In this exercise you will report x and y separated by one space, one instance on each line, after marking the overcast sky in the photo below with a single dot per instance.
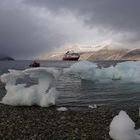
29 28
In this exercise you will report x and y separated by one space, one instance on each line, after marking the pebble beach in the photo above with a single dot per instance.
36 123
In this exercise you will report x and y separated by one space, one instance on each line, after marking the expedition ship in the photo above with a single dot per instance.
71 56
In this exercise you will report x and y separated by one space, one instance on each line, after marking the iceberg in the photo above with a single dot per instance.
42 94
125 71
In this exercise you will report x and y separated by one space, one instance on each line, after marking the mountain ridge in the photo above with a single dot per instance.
106 51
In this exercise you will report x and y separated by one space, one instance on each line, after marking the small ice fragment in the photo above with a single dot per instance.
92 106
123 128
62 109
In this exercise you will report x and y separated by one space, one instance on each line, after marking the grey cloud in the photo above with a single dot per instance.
23 34
116 15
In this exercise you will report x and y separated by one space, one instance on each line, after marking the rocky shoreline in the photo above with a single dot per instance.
36 123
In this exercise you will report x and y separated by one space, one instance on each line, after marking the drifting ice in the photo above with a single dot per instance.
43 94
124 72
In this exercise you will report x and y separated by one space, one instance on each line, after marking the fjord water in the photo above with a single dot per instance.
74 92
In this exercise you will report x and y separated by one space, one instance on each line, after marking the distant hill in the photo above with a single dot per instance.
113 54
132 55
2 58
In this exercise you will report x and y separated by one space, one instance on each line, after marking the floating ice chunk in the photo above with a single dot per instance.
62 109
122 128
43 94
83 68
124 72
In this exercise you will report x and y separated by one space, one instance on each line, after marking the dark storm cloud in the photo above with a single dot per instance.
116 15
24 34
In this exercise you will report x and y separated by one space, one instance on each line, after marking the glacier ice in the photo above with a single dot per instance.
123 128
43 94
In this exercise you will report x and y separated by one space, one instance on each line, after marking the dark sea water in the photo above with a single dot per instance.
77 93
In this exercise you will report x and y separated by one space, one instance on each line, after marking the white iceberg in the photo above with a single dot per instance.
43 94
124 72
